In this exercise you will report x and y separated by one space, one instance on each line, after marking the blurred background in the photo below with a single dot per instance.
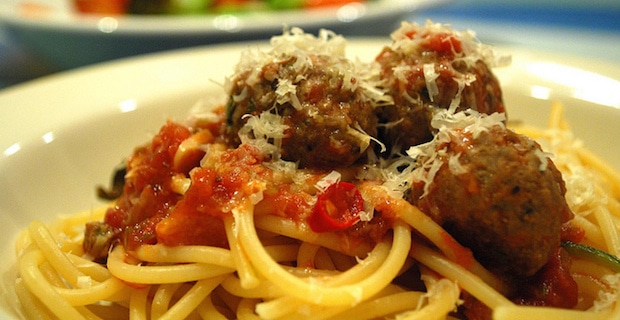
38 38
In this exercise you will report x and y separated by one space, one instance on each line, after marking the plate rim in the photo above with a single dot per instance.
69 21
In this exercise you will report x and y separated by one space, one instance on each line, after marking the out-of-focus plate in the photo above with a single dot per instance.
61 136
54 30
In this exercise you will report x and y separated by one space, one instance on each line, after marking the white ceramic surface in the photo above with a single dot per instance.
61 136
67 39
62 14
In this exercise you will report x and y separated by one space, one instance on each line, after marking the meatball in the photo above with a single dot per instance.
429 67
495 192
325 107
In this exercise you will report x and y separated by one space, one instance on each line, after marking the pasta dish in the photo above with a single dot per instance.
322 187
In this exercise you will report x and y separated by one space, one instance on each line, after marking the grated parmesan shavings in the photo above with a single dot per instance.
329 179
607 299
430 157
430 75
300 48
472 48
264 132
409 38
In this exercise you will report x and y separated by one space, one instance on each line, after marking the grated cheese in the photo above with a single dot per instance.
436 289
469 120
364 138
607 299
430 157
329 179
264 132
204 110
543 157
466 80
394 174
367 213
287 170
472 48
455 166
301 48
286 91
430 76
410 37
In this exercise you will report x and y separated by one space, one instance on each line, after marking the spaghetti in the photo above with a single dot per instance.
227 234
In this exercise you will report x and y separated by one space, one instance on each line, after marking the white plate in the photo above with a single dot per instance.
62 14
68 39
61 136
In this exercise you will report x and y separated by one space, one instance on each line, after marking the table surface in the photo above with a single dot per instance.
589 30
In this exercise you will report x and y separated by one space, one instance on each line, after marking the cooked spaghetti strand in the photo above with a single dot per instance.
317 293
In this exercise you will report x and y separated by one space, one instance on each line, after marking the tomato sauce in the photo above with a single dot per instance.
214 191
284 201
147 196
553 285
442 43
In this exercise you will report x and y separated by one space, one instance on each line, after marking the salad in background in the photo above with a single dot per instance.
198 6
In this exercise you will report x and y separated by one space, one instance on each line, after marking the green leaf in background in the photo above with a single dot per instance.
189 6
285 4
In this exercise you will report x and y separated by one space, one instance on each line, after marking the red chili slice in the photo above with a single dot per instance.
337 208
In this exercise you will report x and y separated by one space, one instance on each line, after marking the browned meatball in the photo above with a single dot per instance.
497 193
328 117
429 67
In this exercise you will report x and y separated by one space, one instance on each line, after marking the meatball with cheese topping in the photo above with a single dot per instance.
429 67
495 191
321 108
